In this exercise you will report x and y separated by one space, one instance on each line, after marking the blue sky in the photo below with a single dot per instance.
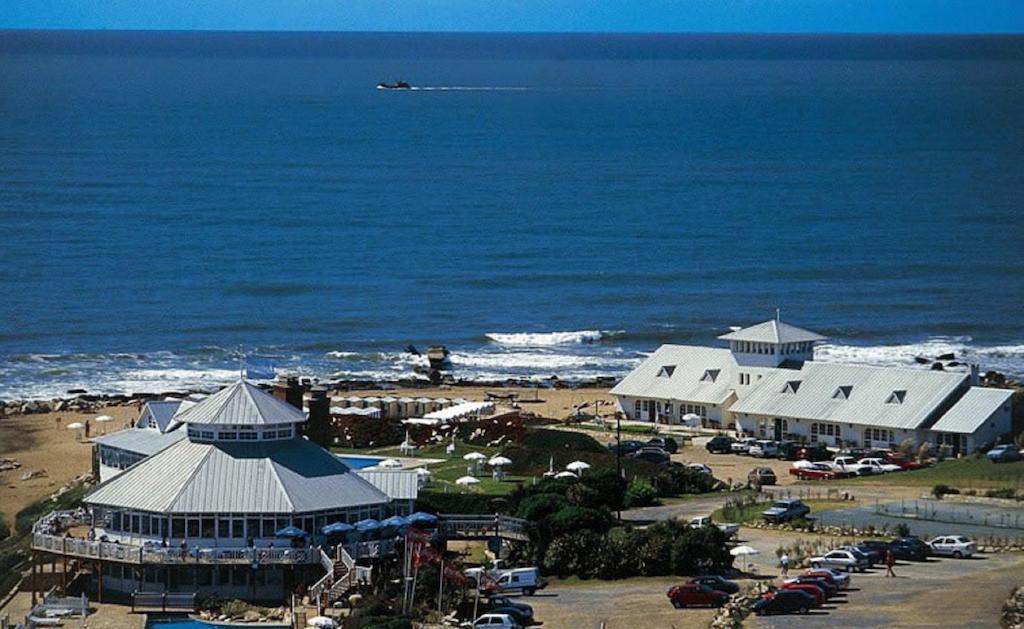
857 16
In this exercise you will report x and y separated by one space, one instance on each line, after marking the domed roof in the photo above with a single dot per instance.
242 404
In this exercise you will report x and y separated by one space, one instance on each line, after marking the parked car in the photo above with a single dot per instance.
742 446
525 580
652 455
784 602
953 546
818 471
841 560
719 445
839 579
880 466
813 452
910 548
874 555
830 589
812 589
626 447
668 444
761 476
904 461
689 594
1007 453
786 510
868 556
850 464
764 449
716 582
729 529
520 612
700 467
496 621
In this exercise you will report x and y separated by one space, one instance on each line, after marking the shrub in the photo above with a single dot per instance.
907 448
5 531
639 494
536 508
682 480
902 530
941 490
1006 492
573 554
922 452
570 519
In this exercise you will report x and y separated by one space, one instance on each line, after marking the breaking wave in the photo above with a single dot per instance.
548 339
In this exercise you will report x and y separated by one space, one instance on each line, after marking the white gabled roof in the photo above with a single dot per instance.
773 331
878 396
243 404
972 410
681 372
397 484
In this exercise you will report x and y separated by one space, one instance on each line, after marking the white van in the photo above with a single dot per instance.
525 580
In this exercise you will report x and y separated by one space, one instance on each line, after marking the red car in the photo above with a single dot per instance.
810 588
696 594
903 461
818 471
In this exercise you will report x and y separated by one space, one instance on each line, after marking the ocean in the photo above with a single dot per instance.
542 204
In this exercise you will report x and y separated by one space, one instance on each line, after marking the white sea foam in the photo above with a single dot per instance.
1005 358
548 339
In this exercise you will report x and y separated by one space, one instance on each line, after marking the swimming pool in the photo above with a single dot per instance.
358 462
184 622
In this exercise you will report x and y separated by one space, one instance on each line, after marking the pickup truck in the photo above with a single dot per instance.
850 464
785 510
730 529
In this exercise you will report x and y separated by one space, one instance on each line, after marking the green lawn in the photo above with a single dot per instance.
965 473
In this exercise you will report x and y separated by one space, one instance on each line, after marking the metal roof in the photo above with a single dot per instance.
773 331
680 372
286 477
243 404
973 410
397 484
872 400
145 441
159 413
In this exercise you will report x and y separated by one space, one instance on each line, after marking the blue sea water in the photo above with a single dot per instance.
544 204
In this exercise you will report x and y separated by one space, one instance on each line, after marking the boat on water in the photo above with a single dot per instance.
397 85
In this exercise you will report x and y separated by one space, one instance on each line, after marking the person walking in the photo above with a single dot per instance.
890 560
784 562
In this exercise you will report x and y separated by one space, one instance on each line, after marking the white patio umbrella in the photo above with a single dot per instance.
744 551
475 458
321 622
499 461
468 480
391 464
103 419
578 466
565 474
75 426
692 420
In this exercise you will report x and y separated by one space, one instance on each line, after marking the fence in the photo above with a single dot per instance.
128 553
934 511
174 601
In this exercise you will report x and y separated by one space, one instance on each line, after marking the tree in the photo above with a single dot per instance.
536 508
571 519
639 494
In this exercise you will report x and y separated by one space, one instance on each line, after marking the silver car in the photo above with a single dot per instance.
953 546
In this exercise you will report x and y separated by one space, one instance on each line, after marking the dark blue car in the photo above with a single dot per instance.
784 602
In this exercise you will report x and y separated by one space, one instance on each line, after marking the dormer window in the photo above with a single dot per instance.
710 375
791 387
897 397
666 371
842 393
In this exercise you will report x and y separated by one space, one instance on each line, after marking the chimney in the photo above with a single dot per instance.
318 426
975 375
287 389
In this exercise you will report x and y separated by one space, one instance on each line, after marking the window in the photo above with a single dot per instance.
227 436
791 387
223 527
897 397
636 409
710 375
193 527
238 528
666 371
842 393
178 527
668 408
247 435
744 378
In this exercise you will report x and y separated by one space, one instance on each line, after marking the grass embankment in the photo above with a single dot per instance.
749 513
967 473
14 550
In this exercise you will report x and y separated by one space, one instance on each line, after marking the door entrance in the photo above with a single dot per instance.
778 429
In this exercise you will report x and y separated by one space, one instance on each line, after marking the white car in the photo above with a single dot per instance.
849 464
496 621
953 546
700 467
742 446
840 560
879 466
764 449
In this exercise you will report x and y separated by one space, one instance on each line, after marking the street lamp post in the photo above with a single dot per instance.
618 457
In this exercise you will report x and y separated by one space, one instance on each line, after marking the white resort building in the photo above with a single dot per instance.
194 499
767 384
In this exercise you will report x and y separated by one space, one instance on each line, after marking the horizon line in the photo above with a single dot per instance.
470 32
